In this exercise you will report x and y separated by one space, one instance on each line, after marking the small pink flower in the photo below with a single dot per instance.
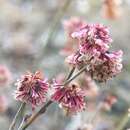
73 24
71 98
32 89
5 75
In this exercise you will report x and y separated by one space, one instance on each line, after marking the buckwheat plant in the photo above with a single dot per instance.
91 57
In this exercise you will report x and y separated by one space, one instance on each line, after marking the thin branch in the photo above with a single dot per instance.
70 73
76 75
55 22
22 106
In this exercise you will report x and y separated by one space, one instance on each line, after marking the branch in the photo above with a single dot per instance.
21 108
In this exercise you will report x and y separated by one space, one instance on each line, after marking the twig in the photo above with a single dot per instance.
55 22
76 75
70 73
22 106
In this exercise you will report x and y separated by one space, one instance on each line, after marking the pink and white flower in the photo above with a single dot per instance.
32 89
70 97
94 34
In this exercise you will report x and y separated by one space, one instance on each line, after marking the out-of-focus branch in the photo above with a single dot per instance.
21 108
56 21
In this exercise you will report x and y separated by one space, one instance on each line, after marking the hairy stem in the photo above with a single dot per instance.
21 108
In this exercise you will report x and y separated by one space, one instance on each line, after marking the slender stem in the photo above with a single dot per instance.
96 113
44 108
70 73
123 122
22 106
55 22
21 124
41 111
76 75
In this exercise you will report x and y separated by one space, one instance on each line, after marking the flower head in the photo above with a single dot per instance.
71 98
5 75
32 89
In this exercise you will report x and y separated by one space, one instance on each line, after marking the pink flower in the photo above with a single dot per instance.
71 25
94 34
3 104
109 65
32 89
5 75
89 86
71 98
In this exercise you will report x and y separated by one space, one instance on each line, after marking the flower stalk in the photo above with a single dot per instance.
21 108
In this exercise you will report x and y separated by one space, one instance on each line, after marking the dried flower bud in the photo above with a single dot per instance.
70 97
32 89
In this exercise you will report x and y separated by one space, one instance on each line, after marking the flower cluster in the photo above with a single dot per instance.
32 89
70 97
94 42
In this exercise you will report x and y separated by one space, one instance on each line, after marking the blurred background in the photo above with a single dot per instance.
32 37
